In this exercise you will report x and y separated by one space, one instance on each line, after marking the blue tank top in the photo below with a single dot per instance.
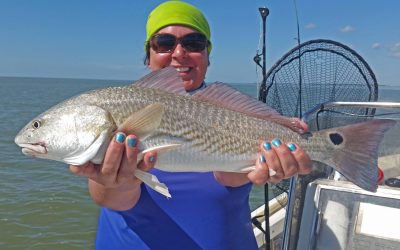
202 214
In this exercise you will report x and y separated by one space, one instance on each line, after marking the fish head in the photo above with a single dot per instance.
65 132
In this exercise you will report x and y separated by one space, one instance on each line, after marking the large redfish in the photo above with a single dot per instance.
216 129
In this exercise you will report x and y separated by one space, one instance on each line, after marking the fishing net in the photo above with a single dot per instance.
320 71
315 72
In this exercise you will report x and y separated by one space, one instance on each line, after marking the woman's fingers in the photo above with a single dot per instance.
148 162
112 159
261 173
273 162
287 162
129 159
278 161
87 170
303 159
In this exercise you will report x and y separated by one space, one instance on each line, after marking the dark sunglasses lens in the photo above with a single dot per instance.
163 43
195 42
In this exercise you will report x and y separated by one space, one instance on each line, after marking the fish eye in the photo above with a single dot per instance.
36 124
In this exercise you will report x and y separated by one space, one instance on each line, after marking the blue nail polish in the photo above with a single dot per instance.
120 137
132 142
152 158
276 142
262 159
291 147
267 146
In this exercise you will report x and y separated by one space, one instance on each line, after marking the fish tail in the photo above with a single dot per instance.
353 150
152 181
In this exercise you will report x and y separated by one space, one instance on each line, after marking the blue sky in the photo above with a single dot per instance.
104 39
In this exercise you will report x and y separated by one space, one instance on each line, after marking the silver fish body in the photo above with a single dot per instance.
206 135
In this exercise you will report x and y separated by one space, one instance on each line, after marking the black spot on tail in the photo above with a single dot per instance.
336 138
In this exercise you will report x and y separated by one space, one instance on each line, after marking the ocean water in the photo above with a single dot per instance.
42 205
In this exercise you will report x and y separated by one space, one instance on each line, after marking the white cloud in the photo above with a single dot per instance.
376 46
396 54
392 50
311 26
347 29
394 47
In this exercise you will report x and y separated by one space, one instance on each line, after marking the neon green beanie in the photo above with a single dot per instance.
180 13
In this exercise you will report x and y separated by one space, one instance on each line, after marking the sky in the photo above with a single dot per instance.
101 39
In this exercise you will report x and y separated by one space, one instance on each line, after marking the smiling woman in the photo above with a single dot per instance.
208 210
214 189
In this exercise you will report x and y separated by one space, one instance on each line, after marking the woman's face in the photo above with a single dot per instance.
192 66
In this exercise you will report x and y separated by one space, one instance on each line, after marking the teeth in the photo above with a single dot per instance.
183 69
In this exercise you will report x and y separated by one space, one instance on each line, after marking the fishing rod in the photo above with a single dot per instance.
262 96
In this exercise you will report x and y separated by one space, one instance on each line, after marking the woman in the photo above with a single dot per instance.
208 210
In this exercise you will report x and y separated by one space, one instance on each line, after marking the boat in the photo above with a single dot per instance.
336 214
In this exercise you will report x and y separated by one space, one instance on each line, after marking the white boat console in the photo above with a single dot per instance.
340 215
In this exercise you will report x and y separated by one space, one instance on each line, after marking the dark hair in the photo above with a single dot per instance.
146 60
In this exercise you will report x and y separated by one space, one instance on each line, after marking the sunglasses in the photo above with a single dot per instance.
166 43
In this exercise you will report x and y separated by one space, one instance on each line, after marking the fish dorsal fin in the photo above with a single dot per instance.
166 79
143 122
224 95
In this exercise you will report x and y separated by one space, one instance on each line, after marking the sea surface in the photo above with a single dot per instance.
42 205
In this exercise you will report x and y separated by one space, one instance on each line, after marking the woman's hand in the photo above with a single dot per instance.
113 184
285 161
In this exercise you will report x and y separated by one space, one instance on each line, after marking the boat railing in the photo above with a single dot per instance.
329 106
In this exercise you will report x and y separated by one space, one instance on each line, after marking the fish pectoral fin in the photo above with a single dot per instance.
160 144
143 122
248 169
252 168
153 182
90 153
162 148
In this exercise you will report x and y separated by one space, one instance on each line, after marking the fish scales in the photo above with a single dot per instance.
214 129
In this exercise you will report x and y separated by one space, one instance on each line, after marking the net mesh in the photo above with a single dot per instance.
319 71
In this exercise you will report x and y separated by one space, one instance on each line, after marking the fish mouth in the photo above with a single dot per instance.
33 149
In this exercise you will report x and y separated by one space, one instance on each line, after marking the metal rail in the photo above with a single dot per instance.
330 105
